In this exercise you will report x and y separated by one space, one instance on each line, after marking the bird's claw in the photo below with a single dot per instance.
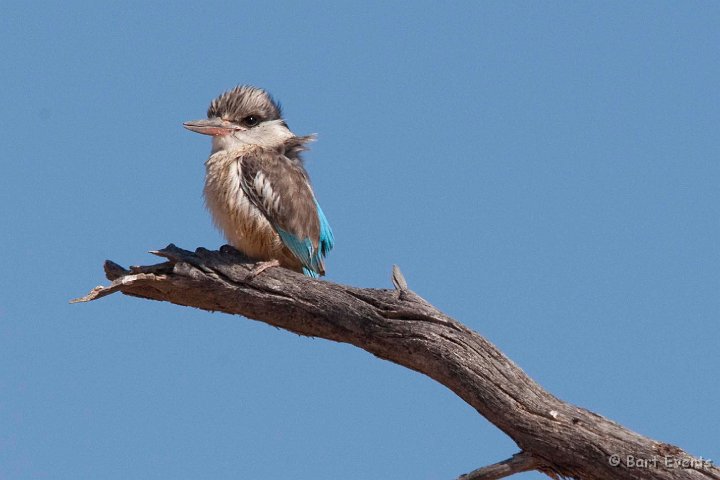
261 267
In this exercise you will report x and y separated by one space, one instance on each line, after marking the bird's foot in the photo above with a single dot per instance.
261 267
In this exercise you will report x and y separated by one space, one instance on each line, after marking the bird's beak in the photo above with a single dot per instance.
212 126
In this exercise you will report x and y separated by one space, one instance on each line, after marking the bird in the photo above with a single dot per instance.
256 186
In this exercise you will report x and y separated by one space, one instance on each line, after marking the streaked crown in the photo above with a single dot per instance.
243 101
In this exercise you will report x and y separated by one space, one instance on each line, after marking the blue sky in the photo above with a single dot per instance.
546 173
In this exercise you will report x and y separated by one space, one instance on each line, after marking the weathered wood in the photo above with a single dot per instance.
520 462
554 436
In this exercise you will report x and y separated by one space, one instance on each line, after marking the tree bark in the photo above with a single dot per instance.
554 437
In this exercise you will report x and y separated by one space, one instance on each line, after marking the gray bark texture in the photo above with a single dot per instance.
553 436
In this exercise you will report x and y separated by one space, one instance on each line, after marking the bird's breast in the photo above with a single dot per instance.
244 225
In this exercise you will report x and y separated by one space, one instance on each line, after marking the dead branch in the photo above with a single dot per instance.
554 437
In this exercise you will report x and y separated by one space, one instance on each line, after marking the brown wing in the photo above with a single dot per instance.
279 187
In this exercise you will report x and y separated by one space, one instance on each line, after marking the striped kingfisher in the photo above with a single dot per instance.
256 186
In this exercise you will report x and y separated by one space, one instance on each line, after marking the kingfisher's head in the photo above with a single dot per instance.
243 116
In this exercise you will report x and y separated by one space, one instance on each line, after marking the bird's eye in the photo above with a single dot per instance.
251 120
